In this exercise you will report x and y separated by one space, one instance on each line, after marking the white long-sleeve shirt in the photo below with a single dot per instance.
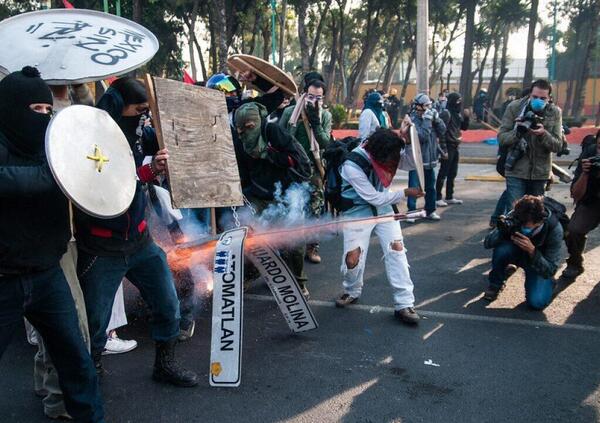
367 124
365 189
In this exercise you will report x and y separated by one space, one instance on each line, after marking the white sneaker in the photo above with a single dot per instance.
409 220
441 203
454 201
433 216
115 345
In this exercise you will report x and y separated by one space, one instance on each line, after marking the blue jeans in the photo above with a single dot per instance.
430 195
538 290
502 207
517 188
147 269
46 300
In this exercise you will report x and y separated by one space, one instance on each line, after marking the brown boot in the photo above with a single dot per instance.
312 253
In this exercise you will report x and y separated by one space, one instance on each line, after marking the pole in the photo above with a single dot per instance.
118 8
422 46
273 35
105 6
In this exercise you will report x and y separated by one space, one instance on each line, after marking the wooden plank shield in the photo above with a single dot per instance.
244 62
284 287
227 310
193 124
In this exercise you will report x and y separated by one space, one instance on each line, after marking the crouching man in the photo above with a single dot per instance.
367 174
530 236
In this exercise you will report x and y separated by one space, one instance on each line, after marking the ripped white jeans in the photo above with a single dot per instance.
396 263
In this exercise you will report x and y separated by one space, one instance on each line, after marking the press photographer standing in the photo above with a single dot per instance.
531 128
585 190
530 236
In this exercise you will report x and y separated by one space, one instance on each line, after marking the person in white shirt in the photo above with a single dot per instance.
372 116
370 195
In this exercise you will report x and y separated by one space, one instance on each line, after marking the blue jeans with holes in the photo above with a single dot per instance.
538 290
429 188
147 269
46 300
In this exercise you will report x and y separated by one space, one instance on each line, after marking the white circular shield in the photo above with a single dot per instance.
91 161
74 45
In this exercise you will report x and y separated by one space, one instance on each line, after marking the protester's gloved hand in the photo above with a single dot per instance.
312 113
429 114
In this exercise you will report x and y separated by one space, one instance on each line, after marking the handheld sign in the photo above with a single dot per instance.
416 150
73 46
227 322
192 122
91 161
284 287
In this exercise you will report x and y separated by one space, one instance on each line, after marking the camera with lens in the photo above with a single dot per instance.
595 160
529 120
515 153
565 150
508 225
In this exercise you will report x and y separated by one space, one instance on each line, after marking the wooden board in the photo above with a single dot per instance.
194 126
262 68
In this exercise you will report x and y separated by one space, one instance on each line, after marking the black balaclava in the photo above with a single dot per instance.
454 102
24 128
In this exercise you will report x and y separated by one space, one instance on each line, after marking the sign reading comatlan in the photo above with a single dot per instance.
284 287
74 45
227 311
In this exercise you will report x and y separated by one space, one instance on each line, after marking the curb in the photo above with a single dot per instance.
492 161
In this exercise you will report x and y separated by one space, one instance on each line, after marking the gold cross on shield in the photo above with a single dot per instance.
98 158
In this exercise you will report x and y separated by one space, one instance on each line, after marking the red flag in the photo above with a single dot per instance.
187 78
68 5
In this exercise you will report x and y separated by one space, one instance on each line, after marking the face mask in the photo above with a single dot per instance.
253 143
131 126
28 132
233 102
526 231
537 105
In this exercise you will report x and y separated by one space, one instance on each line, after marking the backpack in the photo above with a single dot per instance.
559 213
335 155
301 171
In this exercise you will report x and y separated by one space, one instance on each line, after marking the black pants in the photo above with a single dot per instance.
584 220
448 170
46 300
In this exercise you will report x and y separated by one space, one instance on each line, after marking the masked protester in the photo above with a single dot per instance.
111 249
585 190
529 237
34 232
372 116
394 106
367 175
317 121
430 128
456 120
531 130
270 158
480 105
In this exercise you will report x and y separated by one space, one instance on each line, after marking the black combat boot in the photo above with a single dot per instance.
167 370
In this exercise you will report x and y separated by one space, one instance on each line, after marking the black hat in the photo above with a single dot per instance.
24 128
311 76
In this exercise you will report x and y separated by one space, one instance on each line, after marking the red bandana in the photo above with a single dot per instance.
385 171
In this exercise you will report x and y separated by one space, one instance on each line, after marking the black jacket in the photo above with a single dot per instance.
286 163
34 214
455 123
592 192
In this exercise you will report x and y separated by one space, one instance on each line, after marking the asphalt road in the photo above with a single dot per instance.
488 362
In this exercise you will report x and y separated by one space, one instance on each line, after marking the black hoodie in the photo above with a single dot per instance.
455 122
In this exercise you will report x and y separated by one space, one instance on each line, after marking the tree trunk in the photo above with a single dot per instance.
588 47
266 33
330 70
466 84
191 24
315 46
503 67
393 53
533 18
221 32
213 41
409 66
302 35
255 27
282 16
482 67
137 11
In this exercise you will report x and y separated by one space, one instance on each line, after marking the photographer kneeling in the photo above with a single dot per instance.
585 190
532 130
530 236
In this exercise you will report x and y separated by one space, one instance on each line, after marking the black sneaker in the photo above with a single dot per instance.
407 315
344 300
509 271
492 292
571 272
